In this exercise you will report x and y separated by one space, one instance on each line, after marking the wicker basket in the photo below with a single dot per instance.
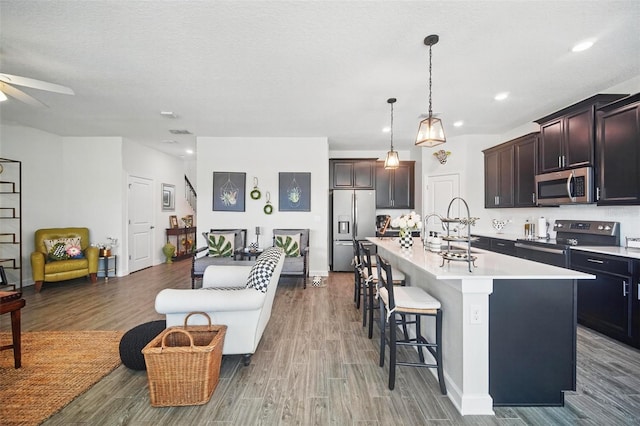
183 364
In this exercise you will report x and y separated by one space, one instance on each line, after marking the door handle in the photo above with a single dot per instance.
152 227
569 179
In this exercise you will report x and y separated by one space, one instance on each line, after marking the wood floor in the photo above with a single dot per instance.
314 365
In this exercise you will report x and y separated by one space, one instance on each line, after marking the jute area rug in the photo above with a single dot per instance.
57 366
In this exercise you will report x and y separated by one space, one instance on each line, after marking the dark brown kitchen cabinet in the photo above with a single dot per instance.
567 137
395 188
525 150
352 174
498 176
509 173
618 151
607 303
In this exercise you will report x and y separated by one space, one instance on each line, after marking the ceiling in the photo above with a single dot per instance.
312 68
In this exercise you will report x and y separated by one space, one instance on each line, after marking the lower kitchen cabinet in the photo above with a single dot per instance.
609 303
497 245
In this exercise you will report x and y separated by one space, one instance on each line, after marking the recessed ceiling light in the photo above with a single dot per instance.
458 123
501 96
168 114
386 129
189 151
582 46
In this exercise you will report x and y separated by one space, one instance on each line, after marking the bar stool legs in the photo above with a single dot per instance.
400 302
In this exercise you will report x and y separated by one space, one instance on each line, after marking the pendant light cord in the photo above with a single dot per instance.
430 111
391 126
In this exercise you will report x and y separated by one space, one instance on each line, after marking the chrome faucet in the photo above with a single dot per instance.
425 220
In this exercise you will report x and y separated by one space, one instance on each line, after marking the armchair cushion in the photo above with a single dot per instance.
221 245
297 265
63 248
290 243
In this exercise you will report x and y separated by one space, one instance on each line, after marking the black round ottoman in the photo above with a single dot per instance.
135 340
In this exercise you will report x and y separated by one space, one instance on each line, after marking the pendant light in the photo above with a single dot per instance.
392 161
430 132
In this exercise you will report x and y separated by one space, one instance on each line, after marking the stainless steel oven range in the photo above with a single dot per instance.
569 233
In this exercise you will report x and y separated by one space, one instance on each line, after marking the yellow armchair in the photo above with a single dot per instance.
60 270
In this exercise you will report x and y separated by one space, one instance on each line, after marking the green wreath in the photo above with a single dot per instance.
268 209
255 194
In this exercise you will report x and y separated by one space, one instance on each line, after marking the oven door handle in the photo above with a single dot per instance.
569 179
543 249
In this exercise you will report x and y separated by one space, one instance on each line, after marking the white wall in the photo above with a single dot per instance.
81 181
264 158
142 161
65 182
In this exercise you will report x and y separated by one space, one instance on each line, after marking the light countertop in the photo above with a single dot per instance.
489 265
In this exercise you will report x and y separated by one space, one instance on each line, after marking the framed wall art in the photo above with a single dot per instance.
173 221
294 192
229 190
168 197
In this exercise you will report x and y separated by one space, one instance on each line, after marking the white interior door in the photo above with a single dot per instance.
439 192
140 223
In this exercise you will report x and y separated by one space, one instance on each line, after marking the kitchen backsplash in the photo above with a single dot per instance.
628 216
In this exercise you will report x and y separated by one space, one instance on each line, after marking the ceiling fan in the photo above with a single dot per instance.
8 81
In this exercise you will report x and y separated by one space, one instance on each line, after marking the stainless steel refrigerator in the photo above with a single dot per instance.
353 218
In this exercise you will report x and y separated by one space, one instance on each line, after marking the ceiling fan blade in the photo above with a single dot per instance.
35 84
20 95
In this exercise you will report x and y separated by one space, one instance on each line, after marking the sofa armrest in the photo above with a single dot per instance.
37 265
91 253
170 301
225 276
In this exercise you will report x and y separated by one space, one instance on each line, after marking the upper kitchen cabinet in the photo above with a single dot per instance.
525 162
618 152
509 173
352 174
395 188
567 136
498 176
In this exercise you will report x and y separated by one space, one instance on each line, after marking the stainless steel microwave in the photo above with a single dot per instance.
574 186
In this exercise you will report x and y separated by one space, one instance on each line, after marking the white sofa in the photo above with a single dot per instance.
227 300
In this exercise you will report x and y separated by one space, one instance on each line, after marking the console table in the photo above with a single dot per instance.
184 240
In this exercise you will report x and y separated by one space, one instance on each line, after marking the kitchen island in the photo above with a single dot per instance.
509 326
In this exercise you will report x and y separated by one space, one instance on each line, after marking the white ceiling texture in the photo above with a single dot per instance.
308 68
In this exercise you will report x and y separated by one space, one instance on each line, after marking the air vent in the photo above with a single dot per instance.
179 132
170 142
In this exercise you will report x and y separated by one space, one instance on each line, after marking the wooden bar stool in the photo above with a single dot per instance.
13 306
414 301
370 283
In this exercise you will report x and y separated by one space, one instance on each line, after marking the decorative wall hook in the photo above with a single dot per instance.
442 155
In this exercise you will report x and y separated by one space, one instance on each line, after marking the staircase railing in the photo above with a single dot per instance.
190 193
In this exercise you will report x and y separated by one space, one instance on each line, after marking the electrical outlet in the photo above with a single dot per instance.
475 317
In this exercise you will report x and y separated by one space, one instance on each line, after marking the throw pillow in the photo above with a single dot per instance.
289 243
63 248
221 245
262 270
